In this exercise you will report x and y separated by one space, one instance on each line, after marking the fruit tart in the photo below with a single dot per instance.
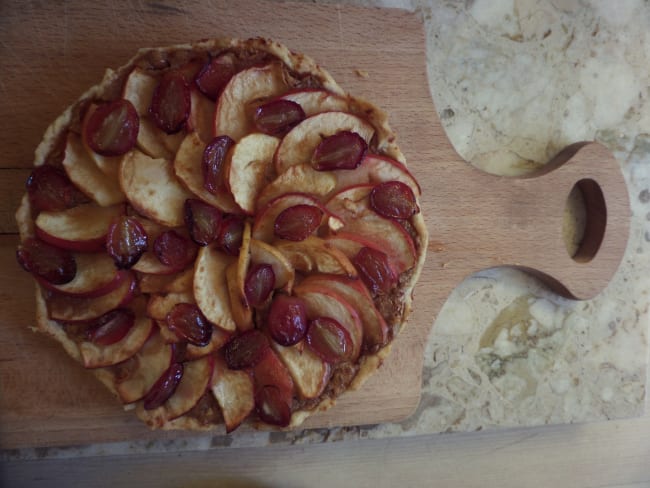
222 235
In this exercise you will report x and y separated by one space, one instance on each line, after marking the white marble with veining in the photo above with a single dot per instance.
515 81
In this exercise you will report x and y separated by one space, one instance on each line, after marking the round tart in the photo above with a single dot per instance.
221 234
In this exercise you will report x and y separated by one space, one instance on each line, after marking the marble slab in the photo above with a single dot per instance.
515 81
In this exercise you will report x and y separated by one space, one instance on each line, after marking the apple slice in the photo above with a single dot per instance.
96 356
138 89
351 244
263 227
325 302
161 284
234 393
376 169
152 188
314 101
300 177
159 306
152 361
250 168
316 255
187 166
244 90
241 311
352 206
83 228
109 165
193 384
375 329
309 372
85 174
149 262
202 115
211 287
73 309
298 146
96 276
263 253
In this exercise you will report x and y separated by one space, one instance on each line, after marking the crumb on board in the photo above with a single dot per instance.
361 73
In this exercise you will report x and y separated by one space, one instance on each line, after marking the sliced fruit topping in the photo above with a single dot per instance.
234 393
159 306
316 255
189 390
110 327
218 339
215 74
188 169
329 339
287 320
393 199
261 252
314 101
298 222
246 350
54 265
187 322
211 288
301 177
70 308
259 283
49 188
213 161
201 116
377 169
152 361
126 241
112 129
138 89
322 301
250 167
343 150
83 228
152 188
240 307
278 117
298 146
164 387
375 329
272 407
172 283
86 175
245 88
96 275
229 239
170 104
172 249
95 355
309 372
202 220
375 270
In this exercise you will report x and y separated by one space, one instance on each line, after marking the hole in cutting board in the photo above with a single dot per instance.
585 219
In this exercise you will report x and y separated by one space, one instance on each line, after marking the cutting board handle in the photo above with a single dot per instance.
518 222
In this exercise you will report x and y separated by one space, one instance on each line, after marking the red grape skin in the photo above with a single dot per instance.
277 117
214 157
215 74
298 222
287 320
126 242
112 129
54 265
230 235
329 340
164 387
50 189
343 150
202 220
171 103
258 284
172 249
111 327
393 199
246 350
271 406
375 270
188 323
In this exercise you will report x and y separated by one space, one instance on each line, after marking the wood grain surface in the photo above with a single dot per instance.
475 220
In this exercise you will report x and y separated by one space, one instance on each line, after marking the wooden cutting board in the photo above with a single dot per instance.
51 54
